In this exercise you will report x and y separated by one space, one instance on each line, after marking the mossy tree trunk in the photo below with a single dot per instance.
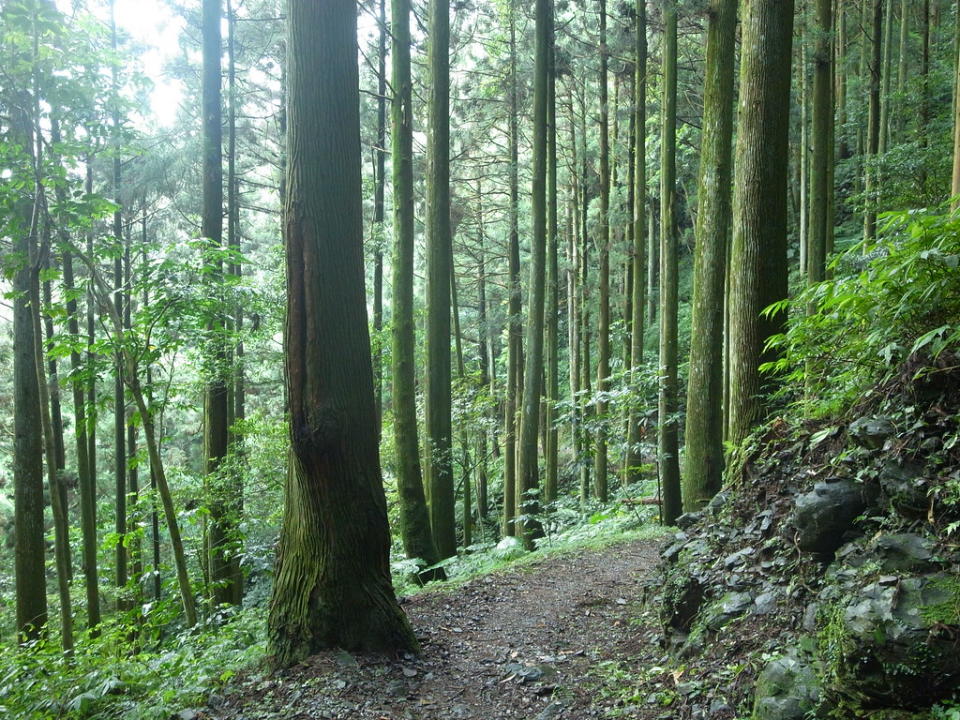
332 586
414 519
667 429
758 260
639 250
703 469
821 188
528 471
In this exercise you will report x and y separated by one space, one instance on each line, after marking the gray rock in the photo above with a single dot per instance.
765 603
871 433
810 617
787 689
902 552
551 711
906 488
900 646
688 520
825 514
718 502
731 606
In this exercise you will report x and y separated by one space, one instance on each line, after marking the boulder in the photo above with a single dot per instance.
902 552
871 433
823 516
899 648
682 601
907 489
786 689
729 607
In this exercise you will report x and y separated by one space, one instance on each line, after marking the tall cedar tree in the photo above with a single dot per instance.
414 518
332 586
603 309
703 469
528 475
821 190
638 301
668 431
439 454
215 402
27 428
873 121
758 259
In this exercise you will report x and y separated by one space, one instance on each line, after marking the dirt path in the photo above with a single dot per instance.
517 644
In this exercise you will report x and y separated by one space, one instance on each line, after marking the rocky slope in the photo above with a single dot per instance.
825 582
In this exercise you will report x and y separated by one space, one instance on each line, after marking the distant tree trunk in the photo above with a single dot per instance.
803 153
378 210
528 470
668 432
88 498
758 274
841 78
923 125
91 355
886 73
703 471
552 338
821 189
119 400
955 184
216 436
54 476
332 586
414 518
639 251
603 300
515 331
873 124
484 352
437 398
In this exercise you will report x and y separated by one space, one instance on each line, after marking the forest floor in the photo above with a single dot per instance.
547 640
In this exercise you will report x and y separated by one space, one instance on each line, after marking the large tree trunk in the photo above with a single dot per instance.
552 337
668 432
332 586
758 262
414 518
703 470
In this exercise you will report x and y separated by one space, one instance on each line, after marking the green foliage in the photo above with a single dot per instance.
890 299
106 680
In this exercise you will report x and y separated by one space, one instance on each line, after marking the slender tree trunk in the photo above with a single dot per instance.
119 401
515 337
437 401
378 210
603 301
873 123
552 338
528 470
886 76
634 437
758 254
668 432
222 526
703 471
414 518
332 586
822 189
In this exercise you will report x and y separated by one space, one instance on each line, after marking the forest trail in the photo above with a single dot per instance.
521 643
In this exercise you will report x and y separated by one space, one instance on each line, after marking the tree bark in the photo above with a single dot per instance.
332 586
437 401
414 518
668 432
758 275
703 471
